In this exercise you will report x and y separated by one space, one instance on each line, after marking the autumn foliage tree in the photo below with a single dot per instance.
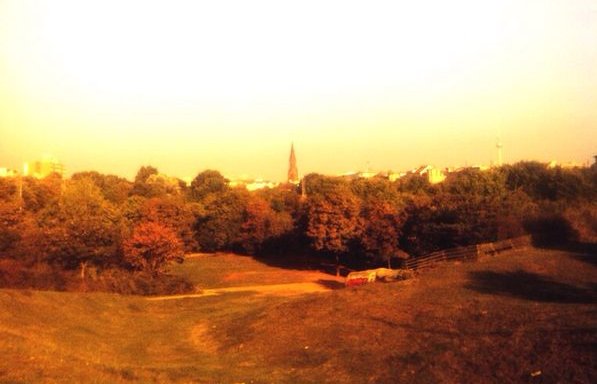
382 223
261 223
10 218
173 213
332 221
151 247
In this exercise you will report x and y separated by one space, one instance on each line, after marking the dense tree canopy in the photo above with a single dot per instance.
141 186
171 212
114 189
10 219
381 221
220 225
333 220
262 223
83 221
80 227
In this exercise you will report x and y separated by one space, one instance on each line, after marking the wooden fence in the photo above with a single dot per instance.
469 253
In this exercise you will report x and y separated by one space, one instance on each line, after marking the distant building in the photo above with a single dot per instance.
434 175
260 184
360 175
7 172
251 184
366 174
393 176
293 177
568 165
43 168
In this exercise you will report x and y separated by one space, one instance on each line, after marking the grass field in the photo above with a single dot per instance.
230 270
527 316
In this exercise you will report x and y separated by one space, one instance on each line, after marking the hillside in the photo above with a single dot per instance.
525 316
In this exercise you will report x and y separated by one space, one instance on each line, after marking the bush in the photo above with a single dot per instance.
16 274
551 229
152 247
137 283
583 221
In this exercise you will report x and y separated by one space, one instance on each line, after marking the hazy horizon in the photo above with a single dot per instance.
186 86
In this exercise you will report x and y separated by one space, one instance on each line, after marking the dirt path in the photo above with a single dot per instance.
290 289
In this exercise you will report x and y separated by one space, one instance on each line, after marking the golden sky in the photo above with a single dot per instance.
188 85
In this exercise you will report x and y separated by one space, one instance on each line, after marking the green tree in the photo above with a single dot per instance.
220 225
467 208
414 183
382 223
144 172
316 184
173 213
473 201
140 186
530 176
283 198
79 228
115 189
152 247
374 188
11 217
37 194
332 221
262 223
132 210
8 188
208 183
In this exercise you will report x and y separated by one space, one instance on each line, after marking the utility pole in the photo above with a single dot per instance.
20 186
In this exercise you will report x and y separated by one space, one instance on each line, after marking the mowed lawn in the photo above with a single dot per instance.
526 316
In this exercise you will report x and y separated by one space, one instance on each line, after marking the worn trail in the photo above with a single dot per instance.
290 289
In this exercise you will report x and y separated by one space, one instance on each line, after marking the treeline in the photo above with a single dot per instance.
110 231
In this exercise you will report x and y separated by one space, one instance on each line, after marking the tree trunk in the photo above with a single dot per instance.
389 262
83 270
337 265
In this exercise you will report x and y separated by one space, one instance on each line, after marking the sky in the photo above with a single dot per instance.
355 85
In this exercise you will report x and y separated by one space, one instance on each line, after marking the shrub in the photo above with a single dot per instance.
583 220
551 229
137 283
152 247
16 274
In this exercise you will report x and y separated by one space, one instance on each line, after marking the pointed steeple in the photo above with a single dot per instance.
292 170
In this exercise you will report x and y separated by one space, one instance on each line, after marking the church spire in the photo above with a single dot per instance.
292 170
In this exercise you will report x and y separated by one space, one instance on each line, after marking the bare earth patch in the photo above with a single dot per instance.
290 289
202 339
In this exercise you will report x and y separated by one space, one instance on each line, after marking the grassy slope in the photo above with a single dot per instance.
47 336
492 321
230 270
